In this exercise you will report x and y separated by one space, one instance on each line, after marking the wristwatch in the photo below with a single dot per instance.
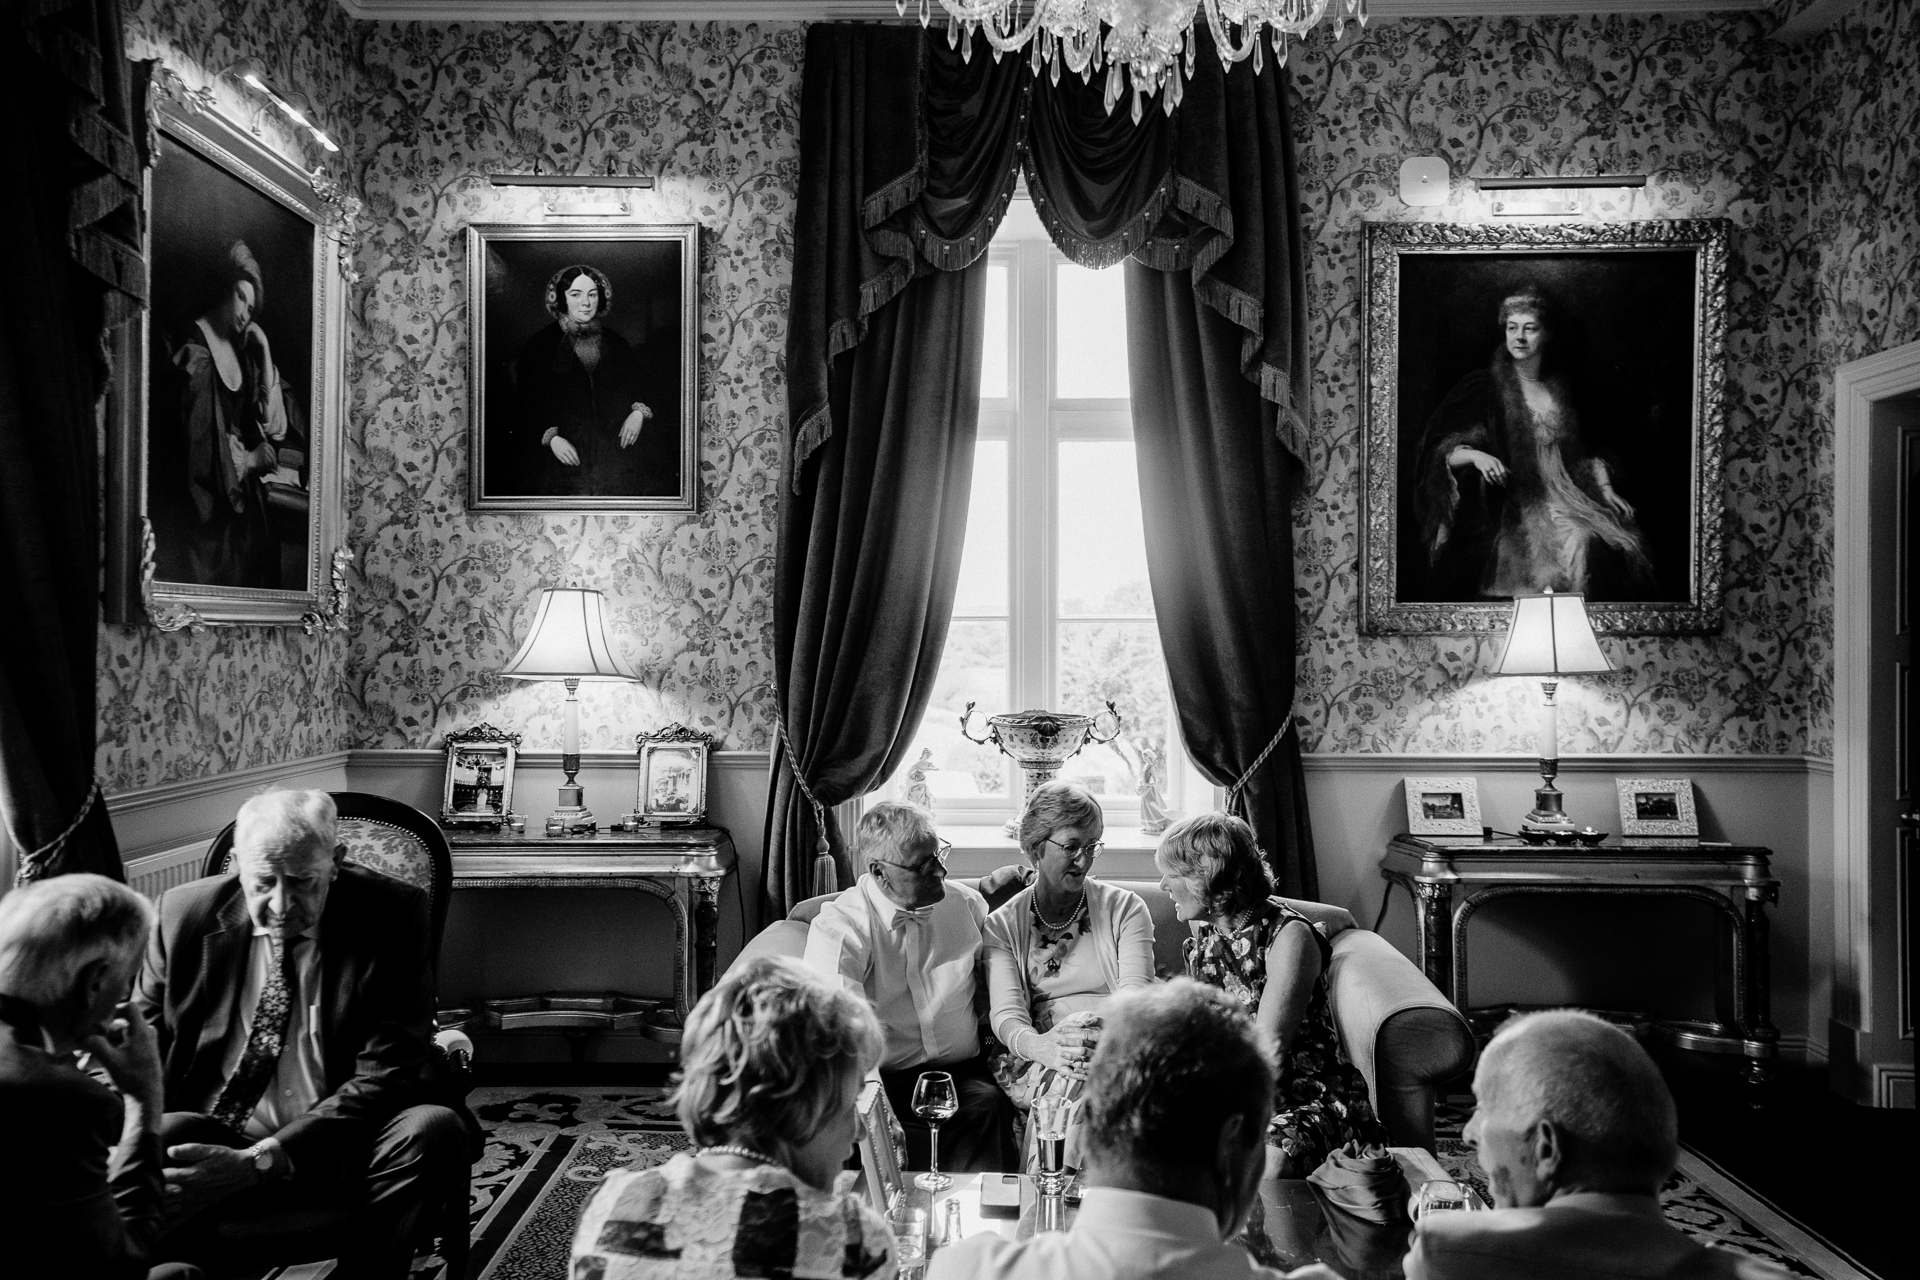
261 1153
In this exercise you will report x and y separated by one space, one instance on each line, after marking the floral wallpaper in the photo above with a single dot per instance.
712 111
182 705
1808 150
1790 145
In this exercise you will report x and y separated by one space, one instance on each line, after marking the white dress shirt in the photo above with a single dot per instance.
299 1080
1118 1235
917 967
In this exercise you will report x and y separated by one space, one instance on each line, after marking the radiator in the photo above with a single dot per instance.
154 874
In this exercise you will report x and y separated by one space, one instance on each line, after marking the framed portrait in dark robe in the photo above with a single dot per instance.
583 379
1542 409
225 446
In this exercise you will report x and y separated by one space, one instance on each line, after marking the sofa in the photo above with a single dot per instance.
1405 1037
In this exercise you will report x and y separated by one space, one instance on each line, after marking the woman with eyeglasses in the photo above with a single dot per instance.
1273 963
1059 948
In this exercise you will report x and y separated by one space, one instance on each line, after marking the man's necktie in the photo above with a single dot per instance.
264 1041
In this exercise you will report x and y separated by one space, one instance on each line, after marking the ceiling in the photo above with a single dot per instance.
817 10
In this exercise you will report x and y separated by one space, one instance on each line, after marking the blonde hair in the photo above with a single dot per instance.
52 929
770 1055
1220 855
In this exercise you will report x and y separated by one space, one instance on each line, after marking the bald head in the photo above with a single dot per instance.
1569 1102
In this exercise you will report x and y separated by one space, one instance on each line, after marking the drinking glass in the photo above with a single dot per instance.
934 1100
1049 1118
909 1227
1440 1195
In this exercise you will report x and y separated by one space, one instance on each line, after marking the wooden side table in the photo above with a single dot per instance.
1451 880
682 866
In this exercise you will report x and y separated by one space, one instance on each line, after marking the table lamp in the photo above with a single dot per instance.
569 642
1550 636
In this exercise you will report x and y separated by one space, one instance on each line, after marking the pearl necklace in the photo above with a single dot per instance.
1069 922
735 1149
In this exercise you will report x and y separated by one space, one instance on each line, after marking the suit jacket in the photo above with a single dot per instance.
376 1004
1587 1235
60 1212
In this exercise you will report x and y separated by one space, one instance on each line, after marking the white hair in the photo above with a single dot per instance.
892 826
1596 1085
278 820
52 929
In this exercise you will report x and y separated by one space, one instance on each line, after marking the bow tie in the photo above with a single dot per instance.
903 918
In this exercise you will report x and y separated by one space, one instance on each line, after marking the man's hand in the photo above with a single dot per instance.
1491 469
202 1173
262 459
130 1052
630 429
564 450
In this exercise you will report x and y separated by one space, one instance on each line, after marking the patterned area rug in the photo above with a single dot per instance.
547 1149
1699 1199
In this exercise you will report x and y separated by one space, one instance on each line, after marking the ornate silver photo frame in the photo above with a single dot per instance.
1657 807
1542 407
224 456
583 377
673 776
1443 806
478 790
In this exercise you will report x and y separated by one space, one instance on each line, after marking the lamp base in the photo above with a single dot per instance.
1548 816
570 816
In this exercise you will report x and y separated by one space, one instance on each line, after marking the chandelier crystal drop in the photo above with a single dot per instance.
1142 45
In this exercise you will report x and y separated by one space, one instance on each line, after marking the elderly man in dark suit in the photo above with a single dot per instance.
69 948
294 1006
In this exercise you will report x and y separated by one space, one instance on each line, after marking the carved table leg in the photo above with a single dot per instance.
1433 918
706 932
1759 1028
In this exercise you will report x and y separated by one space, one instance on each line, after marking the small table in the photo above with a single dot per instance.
1289 1226
682 866
1734 880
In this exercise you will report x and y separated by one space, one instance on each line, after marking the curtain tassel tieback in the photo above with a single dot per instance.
1240 784
33 864
826 876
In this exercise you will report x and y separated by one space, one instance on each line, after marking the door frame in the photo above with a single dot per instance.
1865 1002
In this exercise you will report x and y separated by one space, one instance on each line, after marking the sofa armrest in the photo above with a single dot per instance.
1330 920
1369 984
781 938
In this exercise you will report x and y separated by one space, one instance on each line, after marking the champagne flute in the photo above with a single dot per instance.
934 1100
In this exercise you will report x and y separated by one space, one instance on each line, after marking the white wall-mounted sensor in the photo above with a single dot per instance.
1423 180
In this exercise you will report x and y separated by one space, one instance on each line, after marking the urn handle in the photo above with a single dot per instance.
993 735
1092 734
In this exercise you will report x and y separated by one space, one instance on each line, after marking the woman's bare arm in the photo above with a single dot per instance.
1293 966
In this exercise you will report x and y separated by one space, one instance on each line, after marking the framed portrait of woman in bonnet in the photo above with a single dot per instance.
1543 409
583 382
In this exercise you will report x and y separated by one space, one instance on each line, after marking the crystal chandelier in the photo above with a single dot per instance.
1148 44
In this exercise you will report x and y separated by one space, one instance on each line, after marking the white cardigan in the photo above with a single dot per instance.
1121 934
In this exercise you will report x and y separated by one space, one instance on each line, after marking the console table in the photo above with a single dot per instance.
1451 879
682 866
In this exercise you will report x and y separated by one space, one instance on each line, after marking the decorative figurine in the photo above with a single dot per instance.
917 792
1155 817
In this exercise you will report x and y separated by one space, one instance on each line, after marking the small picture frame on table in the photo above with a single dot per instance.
880 1136
673 777
478 790
1443 806
1657 807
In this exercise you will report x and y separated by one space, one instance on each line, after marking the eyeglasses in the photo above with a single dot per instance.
941 851
1074 852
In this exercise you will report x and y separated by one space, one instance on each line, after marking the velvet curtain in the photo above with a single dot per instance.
69 253
909 154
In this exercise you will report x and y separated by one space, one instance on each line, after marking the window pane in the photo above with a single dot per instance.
1119 661
993 362
1090 326
1103 546
973 668
983 561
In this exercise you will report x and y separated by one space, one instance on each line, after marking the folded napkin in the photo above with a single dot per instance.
1365 1181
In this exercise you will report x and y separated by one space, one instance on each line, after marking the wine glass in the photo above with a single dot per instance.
934 1100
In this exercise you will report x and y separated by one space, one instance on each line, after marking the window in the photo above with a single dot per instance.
1053 609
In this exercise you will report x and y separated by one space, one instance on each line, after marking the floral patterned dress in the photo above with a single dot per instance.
1320 1103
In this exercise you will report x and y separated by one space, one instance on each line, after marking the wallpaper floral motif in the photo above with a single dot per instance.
188 705
1809 150
1727 124
712 111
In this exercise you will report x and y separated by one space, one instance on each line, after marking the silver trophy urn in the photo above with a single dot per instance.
1039 742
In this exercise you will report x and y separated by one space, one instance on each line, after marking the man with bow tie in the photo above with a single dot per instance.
911 944
294 1005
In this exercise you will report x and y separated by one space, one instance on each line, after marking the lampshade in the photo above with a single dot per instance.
569 640
1550 636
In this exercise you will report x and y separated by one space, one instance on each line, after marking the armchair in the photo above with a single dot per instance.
397 840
